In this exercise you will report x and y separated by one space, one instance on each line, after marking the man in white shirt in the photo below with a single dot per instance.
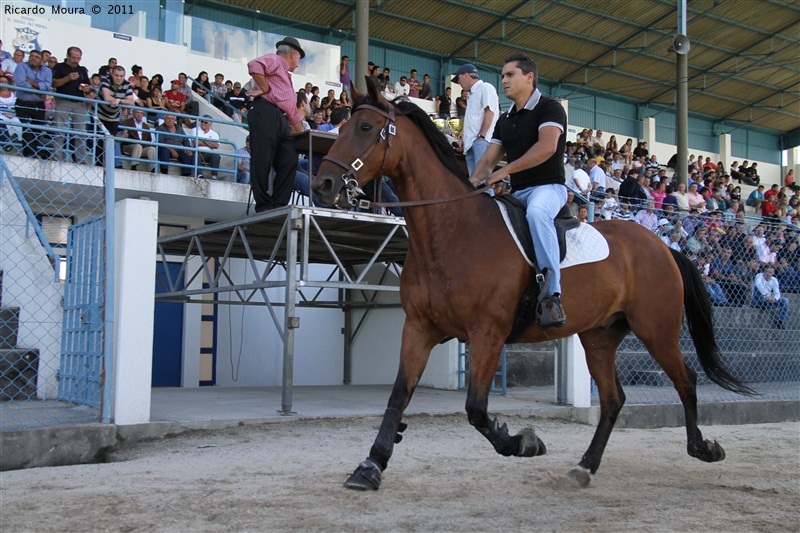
402 88
767 295
483 110
206 144
647 217
580 178
598 143
598 178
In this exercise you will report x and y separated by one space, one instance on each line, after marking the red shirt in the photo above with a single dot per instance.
281 91
768 209
174 100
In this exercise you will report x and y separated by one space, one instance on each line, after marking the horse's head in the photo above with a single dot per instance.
361 153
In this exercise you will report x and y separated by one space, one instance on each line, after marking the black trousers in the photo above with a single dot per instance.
30 113
271 147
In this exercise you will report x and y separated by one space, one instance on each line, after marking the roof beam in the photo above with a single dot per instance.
779 109
732 74
725 20
583 9
498 20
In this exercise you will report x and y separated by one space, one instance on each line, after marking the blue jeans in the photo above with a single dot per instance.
243 177
760 302
715 294
543 204
475 153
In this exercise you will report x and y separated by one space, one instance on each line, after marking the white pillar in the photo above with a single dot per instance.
579 392
649 131
135 250
725 154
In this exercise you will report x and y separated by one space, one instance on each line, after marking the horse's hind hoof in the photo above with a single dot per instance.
580 475
366 477
529 444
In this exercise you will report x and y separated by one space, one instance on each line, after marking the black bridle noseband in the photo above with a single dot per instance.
349 177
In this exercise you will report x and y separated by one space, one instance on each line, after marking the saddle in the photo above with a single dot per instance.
564 221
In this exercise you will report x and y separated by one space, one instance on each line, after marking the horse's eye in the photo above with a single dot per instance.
366 126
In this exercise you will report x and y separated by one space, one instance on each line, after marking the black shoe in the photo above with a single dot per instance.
549 312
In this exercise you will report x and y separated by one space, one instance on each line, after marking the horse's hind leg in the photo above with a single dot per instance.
601 350
483 367
684 379
418 340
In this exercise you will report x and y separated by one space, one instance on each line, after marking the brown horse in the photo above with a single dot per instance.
464 276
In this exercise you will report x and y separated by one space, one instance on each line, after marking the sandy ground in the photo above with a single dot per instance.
443 477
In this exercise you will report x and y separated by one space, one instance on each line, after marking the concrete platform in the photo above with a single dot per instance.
209 406
180 410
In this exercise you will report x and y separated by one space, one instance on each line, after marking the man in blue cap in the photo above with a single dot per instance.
481 115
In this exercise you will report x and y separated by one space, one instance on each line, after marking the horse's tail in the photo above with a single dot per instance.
699 319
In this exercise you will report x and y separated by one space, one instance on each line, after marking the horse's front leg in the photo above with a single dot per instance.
419 338
484 358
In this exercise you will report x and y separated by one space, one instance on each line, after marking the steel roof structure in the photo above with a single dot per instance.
744 62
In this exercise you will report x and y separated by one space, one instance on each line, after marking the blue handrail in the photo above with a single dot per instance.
32 221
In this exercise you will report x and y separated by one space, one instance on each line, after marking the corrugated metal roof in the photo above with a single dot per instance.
744 62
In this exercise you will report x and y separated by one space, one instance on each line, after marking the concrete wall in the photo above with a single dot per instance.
29 283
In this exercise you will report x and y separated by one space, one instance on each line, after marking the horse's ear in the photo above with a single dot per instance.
354 93
375 94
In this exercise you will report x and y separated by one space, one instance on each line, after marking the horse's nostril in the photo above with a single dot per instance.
324 186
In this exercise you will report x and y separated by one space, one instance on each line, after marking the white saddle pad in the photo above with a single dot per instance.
584 244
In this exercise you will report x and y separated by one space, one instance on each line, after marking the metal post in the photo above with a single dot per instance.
561 371
682 118
290 321
108 308
362 45
347 371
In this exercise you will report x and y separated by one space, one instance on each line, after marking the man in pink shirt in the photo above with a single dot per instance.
273 121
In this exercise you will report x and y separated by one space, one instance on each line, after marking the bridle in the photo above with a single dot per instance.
350 181
349 177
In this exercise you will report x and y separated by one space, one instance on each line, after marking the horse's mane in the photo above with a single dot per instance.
434 137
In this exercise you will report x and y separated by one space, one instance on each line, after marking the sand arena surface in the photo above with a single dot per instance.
444 476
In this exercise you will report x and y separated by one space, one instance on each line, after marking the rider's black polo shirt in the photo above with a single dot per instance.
517 131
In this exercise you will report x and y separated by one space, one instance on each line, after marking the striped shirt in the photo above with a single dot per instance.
281 91
104 111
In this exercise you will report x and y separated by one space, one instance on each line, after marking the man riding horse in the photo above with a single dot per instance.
533 134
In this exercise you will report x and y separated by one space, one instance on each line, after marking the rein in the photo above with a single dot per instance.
350 180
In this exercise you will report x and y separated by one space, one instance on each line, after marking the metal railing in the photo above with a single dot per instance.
72 137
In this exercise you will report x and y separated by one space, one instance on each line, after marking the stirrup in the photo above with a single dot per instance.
549 313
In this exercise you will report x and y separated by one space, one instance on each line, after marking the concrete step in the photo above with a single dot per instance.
9 325
530 365
748 366
18 370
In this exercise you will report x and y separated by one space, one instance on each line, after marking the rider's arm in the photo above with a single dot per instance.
537 154
494 152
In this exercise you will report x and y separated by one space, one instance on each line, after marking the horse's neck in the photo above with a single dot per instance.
423 177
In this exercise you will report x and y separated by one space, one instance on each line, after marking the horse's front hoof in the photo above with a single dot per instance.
580 475
709 452
366 477
529 444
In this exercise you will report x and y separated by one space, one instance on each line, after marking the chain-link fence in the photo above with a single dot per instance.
54 321
751 267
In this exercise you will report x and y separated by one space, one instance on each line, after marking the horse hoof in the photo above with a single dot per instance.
529 444
366 477
580 475
708 452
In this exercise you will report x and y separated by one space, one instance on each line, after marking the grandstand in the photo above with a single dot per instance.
49 202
